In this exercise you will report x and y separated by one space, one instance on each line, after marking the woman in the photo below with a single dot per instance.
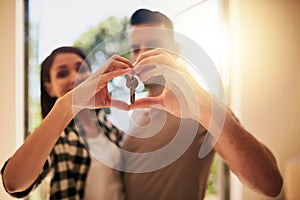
55 146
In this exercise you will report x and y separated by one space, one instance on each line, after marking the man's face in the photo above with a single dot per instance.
145 37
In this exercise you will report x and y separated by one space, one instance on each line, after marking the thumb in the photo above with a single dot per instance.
119 104
147 102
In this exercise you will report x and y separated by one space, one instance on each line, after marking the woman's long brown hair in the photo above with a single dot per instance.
47 102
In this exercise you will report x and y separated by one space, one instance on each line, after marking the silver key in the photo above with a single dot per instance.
132 84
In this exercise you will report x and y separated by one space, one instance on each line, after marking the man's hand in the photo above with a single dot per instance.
182 96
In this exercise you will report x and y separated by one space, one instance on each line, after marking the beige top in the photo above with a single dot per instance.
185 178
103 182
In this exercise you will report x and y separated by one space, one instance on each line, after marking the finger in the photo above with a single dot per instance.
146 102
160 70
161 61
119 104
116 65
144 68
148 74
146 54
122 59
155 52
110 75
147 62
151 55
159 56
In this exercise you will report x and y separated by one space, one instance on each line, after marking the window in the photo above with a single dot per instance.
62 22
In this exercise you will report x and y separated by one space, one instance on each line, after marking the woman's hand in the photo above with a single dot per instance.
93 92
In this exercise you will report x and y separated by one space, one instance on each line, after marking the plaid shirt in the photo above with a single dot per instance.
69 162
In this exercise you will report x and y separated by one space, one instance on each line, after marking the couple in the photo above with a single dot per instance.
55 146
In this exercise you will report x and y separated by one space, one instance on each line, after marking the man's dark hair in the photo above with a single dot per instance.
142 16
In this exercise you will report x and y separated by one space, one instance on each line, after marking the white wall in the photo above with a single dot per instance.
11 77
266 80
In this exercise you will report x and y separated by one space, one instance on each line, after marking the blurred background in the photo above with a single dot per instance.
255 45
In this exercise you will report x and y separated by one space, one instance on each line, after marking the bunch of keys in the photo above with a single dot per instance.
132 84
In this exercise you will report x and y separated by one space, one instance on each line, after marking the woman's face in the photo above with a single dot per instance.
66 70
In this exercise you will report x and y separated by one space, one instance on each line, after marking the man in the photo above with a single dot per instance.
185 176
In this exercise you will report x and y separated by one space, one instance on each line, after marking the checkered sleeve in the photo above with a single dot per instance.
113 133
26 192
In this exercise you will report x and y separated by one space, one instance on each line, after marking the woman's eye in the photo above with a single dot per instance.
62 74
